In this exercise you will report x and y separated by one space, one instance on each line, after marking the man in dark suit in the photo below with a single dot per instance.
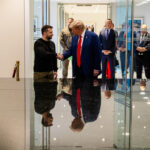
143 53
85 49
108 48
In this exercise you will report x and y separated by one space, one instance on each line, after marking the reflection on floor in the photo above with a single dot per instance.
80 114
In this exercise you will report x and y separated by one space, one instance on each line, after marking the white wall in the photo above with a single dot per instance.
95 14
11 36
143 11
12 115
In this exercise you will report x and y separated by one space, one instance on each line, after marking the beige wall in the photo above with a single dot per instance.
96 14
11 36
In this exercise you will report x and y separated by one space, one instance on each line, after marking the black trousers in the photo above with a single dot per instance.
143 61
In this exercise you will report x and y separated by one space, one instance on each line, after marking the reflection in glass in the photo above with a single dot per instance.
85 100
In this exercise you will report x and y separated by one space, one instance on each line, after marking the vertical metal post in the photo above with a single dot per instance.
48 138
132 71
42 137
48 12
126 53
42 12
126 59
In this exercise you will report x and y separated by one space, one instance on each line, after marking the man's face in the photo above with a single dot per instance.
76 31
49 34
143 30
49 119
108 24
70 21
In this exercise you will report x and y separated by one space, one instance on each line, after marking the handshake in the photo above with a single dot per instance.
60 56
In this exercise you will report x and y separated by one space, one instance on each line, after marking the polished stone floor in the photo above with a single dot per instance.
78 114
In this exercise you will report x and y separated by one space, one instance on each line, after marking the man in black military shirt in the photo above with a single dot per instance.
45 62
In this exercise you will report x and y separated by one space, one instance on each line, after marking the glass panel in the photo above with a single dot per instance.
122 96
37 18
40 16
141 90
122 120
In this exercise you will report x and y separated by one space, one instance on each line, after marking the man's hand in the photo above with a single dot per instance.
95 83
138 49
122 49
95 73
141 49
60 56
55 75
106 52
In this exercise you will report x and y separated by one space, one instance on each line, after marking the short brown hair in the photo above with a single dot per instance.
45 28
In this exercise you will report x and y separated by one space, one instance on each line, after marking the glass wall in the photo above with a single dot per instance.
41 16
127 16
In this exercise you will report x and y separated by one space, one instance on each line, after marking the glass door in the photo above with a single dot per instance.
123 93
41 16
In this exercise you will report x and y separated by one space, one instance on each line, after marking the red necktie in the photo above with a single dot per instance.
79 52
108 71
78 102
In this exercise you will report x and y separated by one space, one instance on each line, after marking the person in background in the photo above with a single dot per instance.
65 42
108 44
116 33
92 28
143 53
127 48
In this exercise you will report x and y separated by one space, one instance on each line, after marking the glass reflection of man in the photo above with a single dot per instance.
108 86
84 101
143 85
45 97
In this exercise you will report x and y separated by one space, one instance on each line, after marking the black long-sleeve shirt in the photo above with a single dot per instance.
45 56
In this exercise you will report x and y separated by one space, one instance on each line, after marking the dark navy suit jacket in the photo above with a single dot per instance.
110 43
90 54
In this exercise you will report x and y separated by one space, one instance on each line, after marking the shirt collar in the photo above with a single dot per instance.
83 33
107 29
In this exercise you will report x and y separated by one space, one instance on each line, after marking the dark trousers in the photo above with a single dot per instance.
143 61
111 60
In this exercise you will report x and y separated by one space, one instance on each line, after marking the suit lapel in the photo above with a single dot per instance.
85 43
103 33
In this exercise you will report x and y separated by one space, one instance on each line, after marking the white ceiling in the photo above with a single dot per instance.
86 9
86 1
